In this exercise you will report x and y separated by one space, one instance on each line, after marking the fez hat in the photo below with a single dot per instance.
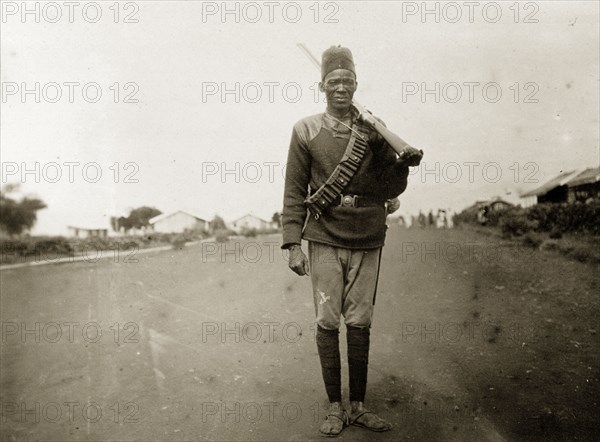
336 57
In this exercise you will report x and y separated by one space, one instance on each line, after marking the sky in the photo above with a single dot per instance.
190 105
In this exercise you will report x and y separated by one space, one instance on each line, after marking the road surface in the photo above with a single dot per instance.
474 339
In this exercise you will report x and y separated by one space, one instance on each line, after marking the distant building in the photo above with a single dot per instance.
249 222
87 232
497 204
483 208
177 222
584 186
568 187
494 204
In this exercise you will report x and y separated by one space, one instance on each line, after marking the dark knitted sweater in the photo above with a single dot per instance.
317 145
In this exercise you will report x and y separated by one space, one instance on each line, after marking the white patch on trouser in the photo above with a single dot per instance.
324 298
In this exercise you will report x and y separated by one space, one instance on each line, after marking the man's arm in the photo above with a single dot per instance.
297 177
395 179
394 171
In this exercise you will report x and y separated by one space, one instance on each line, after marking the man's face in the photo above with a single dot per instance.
339 87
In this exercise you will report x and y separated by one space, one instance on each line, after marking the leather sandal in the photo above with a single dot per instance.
386 427
331 418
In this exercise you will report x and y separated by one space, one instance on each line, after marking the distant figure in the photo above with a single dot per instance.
441 219
430 220
422 221
449 220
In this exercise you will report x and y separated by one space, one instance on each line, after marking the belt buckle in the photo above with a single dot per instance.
348 201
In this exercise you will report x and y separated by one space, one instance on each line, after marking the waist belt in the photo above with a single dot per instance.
356 201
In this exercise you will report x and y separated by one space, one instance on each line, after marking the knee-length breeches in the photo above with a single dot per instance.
344 283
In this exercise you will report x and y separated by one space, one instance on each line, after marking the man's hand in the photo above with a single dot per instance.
392 205
411 156
298 261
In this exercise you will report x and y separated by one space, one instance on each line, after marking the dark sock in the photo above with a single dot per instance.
358 360
329 353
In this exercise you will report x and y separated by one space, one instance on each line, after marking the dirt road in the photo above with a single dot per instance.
472 340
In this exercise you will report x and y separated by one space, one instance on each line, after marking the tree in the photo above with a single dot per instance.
17 216
217 223
137 219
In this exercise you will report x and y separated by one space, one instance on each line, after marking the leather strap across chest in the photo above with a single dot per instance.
330 191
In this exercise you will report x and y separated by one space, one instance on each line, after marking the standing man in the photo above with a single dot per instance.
340 173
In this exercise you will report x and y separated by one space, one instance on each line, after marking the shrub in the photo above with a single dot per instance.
468 216
545 215
49 246
583 217
159 237
532 240
44 247
249 233
557 219
95 243
221 235
566 217
514 222
195 233
132 243
179 241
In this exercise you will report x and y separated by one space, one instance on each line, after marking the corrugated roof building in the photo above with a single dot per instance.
575 185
